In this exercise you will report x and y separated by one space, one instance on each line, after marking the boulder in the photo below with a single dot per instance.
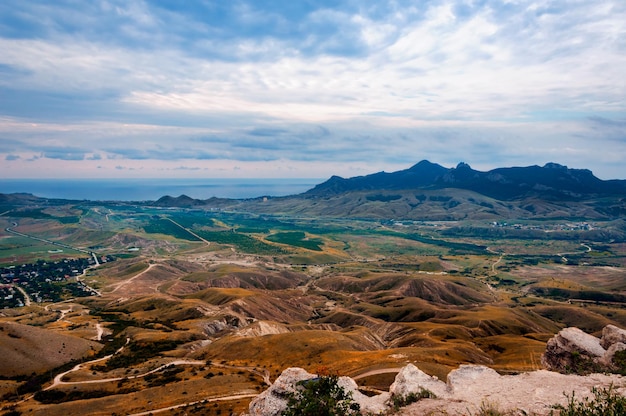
607 359
572 350
411 380
612 335
369 405
273 401
468 374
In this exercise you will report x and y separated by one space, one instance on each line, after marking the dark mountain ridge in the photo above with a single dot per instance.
550 182
426 191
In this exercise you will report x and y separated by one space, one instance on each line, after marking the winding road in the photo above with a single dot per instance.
214 399
562 255
58 380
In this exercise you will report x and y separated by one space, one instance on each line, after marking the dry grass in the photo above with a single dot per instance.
352 317
26 349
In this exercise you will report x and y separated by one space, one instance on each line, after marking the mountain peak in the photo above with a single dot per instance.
552 165
180 201
423 164
553 181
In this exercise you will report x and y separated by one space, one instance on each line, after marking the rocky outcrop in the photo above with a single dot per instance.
411 380
273 401
574 351
612 335
467 389
470 387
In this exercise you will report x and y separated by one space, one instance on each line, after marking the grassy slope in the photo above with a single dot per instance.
26 349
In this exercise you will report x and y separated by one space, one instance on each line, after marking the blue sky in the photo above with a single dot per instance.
275 88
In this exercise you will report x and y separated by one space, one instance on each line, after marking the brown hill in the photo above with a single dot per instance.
27 349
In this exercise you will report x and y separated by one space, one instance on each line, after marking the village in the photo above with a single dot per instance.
44 281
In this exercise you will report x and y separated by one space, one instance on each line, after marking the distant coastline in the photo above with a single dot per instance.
153 189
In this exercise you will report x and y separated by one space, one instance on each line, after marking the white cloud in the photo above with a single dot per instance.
442 80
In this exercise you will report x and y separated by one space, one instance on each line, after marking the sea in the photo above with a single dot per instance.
153 189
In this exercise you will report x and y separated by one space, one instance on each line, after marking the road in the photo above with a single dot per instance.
208 243
54 243
127 281
27 300
58 380
44 240
562 255
389 370
214 399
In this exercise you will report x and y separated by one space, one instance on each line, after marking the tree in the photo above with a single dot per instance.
321 396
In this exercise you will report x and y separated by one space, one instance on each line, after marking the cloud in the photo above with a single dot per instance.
352 82
189 168
63 155
267 132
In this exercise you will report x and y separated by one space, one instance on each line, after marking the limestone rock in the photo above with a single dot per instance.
411 379
607 359
273 401
612 335
569 348
468 374
369 405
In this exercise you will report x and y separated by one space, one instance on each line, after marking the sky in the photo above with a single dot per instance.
308 88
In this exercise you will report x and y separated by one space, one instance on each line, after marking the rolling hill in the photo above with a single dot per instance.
428 191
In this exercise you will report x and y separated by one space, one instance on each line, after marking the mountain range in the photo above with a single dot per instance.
552 182
428 191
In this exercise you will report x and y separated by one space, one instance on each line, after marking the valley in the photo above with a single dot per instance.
198 309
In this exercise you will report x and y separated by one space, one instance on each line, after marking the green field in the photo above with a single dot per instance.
167 227
296 239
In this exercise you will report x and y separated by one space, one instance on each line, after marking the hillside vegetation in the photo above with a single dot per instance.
204 305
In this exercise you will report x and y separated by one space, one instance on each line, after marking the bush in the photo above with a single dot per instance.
491 409
619 361
398 401
321 396
605 402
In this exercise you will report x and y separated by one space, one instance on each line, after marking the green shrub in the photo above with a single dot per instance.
619 361
397 401
605 402
321 396
490 409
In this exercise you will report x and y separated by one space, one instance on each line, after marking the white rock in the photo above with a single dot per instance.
369 405
273 401
411 379
468 374
607 359
573 339
612 335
